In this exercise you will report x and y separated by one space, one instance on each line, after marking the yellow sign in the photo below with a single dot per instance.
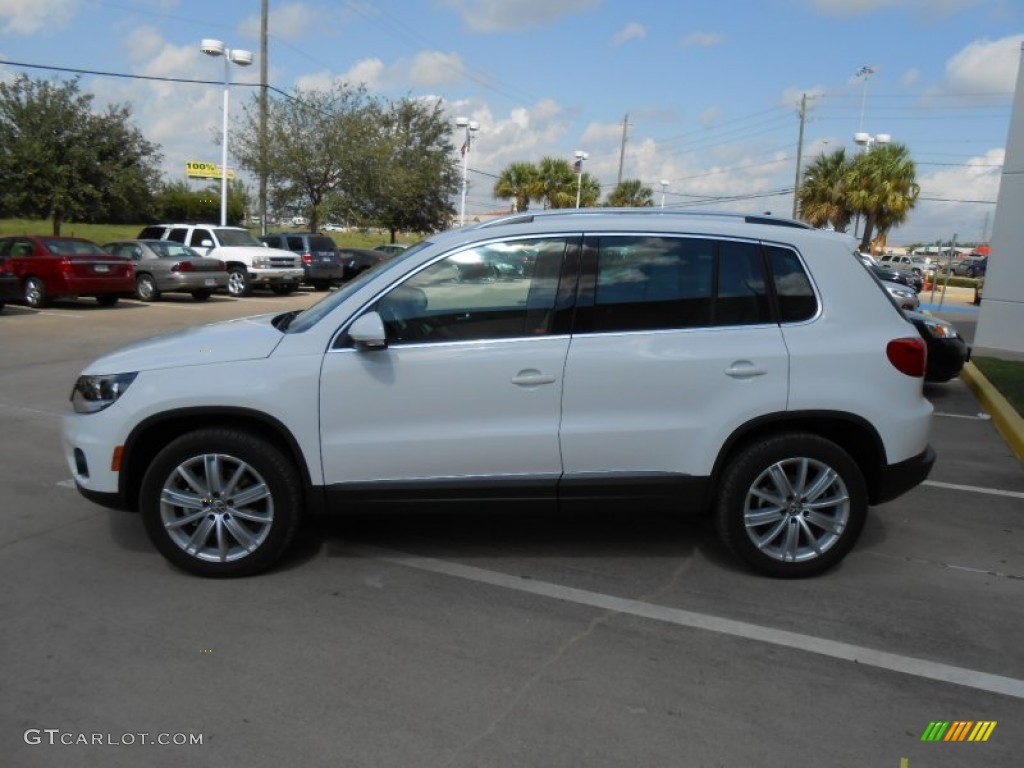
197 170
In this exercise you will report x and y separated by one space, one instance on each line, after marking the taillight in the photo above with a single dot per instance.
221 266
307 258
909 356
182 266
67 266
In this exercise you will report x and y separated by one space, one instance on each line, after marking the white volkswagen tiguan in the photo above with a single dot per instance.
742 366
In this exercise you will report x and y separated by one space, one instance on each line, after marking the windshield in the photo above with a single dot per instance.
310 317
233 238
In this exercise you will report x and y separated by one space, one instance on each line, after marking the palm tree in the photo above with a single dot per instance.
516 182
884 188
631 193
555 183
824 194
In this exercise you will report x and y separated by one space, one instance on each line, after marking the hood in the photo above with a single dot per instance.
251 251
246 338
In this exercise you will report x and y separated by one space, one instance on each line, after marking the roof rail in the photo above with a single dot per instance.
529 216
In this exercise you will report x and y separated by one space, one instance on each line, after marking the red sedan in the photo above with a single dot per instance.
54 267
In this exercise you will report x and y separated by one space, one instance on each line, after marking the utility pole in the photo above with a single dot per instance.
622 150
799 156
263 116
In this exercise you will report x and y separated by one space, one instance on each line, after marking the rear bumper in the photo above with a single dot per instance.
91 286
192 281
897 479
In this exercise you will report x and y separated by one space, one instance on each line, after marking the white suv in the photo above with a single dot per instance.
743 366
249 262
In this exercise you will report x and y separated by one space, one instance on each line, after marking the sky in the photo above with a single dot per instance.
705 96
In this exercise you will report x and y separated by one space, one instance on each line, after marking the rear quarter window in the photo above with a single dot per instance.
793 289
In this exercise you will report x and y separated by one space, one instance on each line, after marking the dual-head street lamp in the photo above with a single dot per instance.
243 59
471 126
866 140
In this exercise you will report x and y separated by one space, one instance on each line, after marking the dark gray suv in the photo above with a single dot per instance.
321 263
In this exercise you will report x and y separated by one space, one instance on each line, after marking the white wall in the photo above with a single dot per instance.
1001 322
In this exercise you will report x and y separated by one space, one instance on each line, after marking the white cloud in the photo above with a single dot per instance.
602 133
27 17
506 15
711 116
976 180
434 68
703 40
290 22
366 71
910 78
632 31
932 8
985 67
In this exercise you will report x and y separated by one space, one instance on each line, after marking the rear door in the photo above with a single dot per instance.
674 346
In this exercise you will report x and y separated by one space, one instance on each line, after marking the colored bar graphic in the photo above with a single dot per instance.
958 730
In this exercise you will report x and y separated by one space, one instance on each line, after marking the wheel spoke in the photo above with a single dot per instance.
181 522
780 480
198 539
831 525
251 516
193 482
222 540
790 542
211 463
821 484
241 533
251 495
763 542
232 483
811 538
772 498
755 518
184 499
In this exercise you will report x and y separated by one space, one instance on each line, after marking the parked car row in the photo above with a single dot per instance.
198 259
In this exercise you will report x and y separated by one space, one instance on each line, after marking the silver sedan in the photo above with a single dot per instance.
163 266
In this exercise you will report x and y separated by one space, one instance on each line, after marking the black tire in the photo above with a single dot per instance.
145 287
266 524
321 285
108 299
2 305
283 289
201 295
819 537
238 282
35 294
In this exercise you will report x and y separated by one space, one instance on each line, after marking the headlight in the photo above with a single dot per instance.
94 393
261 262
902 293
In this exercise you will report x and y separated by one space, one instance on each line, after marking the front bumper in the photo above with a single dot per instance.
275 275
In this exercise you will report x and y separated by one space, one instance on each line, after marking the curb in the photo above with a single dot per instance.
1007 420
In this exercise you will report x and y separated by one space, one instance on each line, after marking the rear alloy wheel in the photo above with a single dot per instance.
35 293
145 287
792 505
238 282
220 502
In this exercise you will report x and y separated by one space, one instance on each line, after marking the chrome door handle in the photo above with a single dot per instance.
744 369
532 378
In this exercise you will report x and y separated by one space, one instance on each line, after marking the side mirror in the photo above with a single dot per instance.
206 243
368 332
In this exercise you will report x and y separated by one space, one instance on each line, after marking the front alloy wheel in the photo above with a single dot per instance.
221 503
35 293
238 282
793 505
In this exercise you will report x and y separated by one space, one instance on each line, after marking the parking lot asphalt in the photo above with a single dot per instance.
457 638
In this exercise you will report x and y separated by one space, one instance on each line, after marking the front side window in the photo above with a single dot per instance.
499 290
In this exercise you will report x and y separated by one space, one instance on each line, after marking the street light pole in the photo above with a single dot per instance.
243 59
664 186
471 126
580 157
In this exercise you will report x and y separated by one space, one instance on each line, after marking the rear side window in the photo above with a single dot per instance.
793 289
295 243
317 244
151 233
656 283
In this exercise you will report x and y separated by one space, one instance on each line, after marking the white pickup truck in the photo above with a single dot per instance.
249 262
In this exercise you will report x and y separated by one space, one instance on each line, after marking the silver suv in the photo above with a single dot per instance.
249 262
740 366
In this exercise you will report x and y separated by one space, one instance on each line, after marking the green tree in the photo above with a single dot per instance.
556 184
824 193
179 201
631 193
416 173
319 149
884 188
515 182
59 160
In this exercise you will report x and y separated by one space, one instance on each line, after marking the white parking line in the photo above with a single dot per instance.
930 670
72 315
981 416
974 489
